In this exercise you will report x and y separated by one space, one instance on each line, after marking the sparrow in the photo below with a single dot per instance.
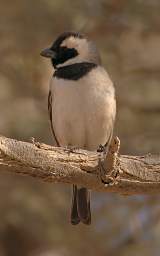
81 104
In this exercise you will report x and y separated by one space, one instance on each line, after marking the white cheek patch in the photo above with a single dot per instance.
69 42
80 44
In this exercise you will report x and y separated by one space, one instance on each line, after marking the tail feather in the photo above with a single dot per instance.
80 206
74 211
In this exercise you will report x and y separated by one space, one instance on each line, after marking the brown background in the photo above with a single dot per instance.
35 216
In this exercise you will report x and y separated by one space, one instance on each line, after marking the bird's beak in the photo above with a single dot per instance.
48 53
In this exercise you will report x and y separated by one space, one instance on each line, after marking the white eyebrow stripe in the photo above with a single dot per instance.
73 42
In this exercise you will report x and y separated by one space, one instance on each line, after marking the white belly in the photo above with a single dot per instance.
83 111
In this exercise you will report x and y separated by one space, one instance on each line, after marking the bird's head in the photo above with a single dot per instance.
70 48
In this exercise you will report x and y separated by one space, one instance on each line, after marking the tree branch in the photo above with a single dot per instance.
113 173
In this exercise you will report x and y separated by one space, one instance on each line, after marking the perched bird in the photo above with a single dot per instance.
81 104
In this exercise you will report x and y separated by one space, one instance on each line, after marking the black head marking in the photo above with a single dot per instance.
63 54
64 36
59 54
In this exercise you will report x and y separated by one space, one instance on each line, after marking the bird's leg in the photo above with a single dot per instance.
101 149
74 149
71 149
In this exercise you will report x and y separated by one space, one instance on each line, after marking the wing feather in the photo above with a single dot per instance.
50 102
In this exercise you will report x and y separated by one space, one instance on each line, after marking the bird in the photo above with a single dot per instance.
81 104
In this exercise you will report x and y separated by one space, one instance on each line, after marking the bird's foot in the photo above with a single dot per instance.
71 149
101 149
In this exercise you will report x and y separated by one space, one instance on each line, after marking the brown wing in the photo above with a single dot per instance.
50 100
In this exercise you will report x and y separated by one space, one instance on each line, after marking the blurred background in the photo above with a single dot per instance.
34 215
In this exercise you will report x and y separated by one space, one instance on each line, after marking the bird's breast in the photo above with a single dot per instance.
82 110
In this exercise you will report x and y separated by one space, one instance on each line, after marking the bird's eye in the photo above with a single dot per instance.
65 54
62 51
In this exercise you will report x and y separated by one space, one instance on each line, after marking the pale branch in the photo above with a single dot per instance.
97 171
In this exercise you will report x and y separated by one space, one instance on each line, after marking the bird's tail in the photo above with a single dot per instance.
80 210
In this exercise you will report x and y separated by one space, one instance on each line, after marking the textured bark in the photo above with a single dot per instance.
113 173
